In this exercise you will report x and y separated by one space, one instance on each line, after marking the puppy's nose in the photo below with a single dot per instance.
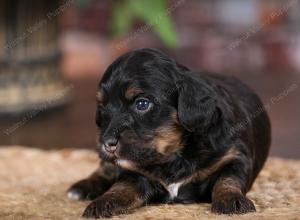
110 145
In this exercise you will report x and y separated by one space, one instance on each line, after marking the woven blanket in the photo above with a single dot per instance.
33 185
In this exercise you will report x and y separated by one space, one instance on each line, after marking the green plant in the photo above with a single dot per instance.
154 13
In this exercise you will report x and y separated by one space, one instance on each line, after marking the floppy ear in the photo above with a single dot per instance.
197 104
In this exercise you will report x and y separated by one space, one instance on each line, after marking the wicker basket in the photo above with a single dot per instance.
29 56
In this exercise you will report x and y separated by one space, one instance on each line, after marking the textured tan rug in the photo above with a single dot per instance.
33 185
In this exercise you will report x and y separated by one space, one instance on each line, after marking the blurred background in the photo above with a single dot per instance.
53 53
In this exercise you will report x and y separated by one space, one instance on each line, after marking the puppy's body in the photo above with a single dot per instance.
169 135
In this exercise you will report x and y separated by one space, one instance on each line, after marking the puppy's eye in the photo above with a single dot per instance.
142 104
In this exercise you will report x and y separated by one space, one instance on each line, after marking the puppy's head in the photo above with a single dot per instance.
147 105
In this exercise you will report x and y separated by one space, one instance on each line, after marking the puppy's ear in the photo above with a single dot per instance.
197 105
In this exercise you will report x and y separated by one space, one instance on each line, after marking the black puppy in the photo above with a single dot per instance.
170 135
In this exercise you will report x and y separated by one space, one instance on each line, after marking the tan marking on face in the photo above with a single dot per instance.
99 97
168 139
126 164
132 91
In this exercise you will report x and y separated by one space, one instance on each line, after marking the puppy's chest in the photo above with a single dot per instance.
181 192
184 189
178 186
173 189
176 183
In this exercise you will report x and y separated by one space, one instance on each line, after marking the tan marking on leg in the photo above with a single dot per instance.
231 155
121 198
225 185
126 195
228 198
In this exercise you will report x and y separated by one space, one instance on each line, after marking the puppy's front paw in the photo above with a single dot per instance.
232 203
87 189
104 208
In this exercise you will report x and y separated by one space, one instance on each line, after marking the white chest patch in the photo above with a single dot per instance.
173 189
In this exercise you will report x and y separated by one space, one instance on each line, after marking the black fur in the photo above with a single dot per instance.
214 119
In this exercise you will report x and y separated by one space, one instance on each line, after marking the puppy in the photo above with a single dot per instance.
171 135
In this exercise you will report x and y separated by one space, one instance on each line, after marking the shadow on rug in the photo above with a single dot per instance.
33 184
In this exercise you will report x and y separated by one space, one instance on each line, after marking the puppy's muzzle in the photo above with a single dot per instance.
111 135
110 145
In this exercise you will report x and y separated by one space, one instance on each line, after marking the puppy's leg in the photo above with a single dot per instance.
123 197
95 185
228 195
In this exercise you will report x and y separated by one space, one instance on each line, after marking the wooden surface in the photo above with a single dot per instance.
74 126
